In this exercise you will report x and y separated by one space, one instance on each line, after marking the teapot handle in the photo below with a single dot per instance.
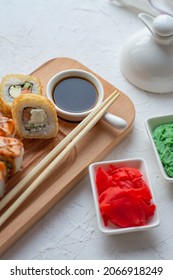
148 6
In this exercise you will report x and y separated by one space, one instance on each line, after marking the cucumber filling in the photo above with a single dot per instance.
34 127
15 90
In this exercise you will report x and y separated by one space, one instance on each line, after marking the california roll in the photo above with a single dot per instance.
14 85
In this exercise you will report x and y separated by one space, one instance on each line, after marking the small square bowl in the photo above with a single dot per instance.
150 125
134 163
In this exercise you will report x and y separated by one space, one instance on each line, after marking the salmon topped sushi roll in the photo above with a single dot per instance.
3 177
35 117
14 85
11 153
7 128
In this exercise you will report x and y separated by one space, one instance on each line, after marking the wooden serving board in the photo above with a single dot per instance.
98 143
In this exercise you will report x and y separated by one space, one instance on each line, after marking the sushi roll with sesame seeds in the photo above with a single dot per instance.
34 116
14 85
3 178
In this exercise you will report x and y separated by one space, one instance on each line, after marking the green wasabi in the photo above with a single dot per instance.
163 138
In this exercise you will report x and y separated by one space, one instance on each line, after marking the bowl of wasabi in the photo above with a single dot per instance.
160 132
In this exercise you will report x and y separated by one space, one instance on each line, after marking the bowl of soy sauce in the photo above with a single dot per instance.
75 93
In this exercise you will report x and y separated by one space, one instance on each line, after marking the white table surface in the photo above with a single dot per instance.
93 32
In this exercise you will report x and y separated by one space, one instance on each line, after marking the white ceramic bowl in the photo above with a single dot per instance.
151 124
136 163
113 120
71 73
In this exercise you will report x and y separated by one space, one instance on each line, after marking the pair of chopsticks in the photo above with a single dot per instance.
53 158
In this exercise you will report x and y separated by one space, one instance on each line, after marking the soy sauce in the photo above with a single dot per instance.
75 94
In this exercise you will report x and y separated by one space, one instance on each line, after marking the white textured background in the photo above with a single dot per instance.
93 32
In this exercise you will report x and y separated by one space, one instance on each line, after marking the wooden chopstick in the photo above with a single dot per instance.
67 144
51 155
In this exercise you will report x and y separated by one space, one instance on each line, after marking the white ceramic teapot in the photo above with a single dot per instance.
147 57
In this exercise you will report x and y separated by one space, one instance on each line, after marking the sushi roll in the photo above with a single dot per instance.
7 128
14 85
3 178
34 116
11 153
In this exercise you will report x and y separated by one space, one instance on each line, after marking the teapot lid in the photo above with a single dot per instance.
147 57
160 26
